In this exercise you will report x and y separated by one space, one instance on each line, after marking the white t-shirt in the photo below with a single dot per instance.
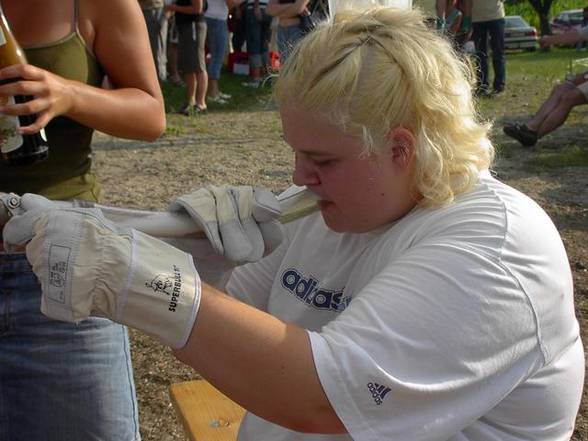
454 323
486 10
217 9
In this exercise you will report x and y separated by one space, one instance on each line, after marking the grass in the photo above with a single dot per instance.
572 156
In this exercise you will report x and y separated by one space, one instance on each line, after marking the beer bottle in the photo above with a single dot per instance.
17 149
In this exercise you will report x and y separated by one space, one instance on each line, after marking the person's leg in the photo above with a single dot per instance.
496 30
216 40
549 105
161 59
253 47
152 30
265 36
201 74
480 37
568 100
172 52
60 381
188 62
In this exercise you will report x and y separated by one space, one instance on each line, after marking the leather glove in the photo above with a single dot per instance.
241 223
87 266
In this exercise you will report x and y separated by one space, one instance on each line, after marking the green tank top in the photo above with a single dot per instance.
65 175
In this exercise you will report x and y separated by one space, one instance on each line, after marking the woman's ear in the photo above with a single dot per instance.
402 145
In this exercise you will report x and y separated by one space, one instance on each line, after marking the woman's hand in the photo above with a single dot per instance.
50 94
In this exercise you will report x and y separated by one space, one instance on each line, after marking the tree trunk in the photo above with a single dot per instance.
542 8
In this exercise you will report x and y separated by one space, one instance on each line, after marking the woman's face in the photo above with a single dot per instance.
357 193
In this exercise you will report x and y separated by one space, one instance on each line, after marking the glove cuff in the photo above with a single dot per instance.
162 292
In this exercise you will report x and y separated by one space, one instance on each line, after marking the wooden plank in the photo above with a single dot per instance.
206 414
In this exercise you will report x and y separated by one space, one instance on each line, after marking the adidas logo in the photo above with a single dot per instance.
378 392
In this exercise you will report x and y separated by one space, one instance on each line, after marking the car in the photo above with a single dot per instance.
518 34
566 21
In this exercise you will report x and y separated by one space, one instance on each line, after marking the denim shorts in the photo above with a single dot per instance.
258 37
60 381
288 36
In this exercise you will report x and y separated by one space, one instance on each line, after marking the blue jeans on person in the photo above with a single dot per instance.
60 381
217 35
494 29
258 37
288 36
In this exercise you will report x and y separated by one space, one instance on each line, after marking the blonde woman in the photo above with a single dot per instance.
423 300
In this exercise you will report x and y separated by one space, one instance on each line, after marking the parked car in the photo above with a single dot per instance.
518 34
566 21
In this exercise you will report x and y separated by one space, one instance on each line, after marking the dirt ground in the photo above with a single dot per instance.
246 148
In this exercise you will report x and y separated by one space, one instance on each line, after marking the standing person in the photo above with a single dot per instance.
487 17
289 32
189 16
238 26
217 38
554 111
156 21
60 381
423 300
257 34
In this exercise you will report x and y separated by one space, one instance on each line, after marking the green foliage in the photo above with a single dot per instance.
524 8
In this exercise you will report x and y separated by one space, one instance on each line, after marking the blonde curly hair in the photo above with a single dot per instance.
374 70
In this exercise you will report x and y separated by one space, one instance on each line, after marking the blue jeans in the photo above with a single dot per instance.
288 36
258 37
60 381
494 29
217 35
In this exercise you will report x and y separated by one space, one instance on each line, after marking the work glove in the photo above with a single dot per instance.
241 223
87 266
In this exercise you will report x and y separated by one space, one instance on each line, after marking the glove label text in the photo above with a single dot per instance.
170 284
58 266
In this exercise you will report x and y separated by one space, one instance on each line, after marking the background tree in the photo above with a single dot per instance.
542 8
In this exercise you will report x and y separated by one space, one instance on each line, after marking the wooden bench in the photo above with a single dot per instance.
206 414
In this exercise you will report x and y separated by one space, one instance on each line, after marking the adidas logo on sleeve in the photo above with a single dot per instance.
378 392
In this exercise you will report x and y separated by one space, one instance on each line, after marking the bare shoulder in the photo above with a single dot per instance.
108 12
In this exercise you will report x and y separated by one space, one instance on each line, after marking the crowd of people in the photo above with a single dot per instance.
421 299
183 33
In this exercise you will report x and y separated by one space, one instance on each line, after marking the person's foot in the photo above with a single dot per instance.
521 133
186 109
217 99
498 90
481 92
191 109
225 96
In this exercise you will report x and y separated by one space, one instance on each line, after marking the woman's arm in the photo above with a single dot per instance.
231 338
286 10
133 109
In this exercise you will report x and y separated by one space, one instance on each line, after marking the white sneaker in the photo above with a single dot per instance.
217 100
225 96
252 84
